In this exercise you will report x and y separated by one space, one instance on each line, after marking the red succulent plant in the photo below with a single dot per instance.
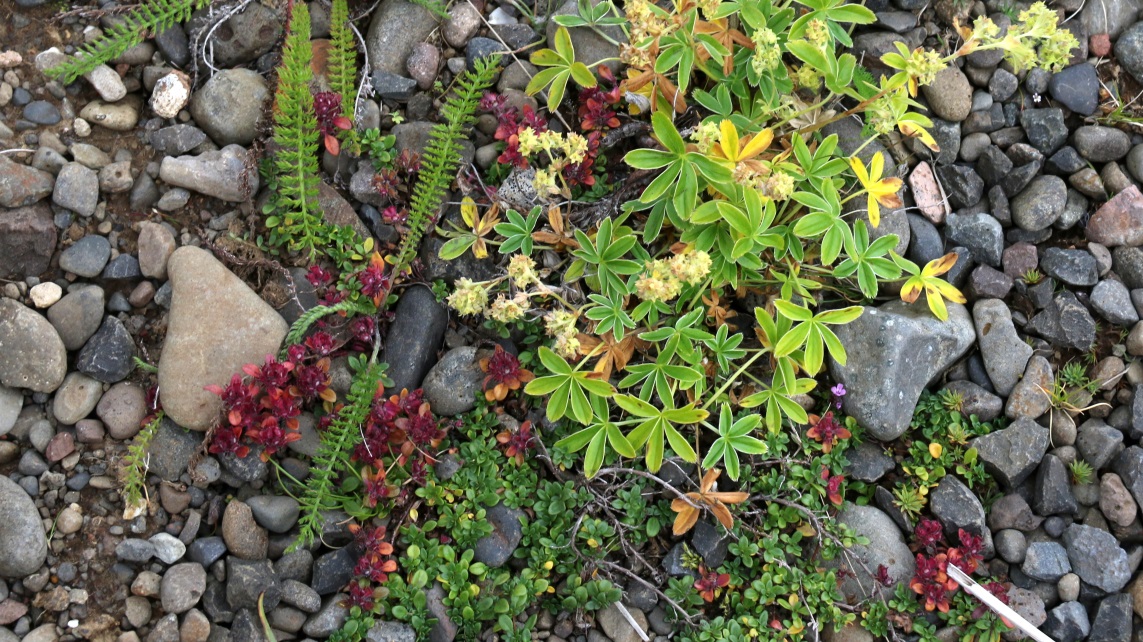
504 373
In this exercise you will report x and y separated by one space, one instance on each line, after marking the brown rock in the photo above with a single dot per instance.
1115 501
337 211
1119 221
243 536
60 446
927 193
11 610
27 240
1100 44
1028 398
22 185
216 325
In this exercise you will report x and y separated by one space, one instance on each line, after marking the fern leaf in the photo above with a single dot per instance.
296 133
441 157
311 316
151 17
337 442
343 58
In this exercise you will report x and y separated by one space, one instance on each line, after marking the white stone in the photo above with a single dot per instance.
171 94
45 294
108 83
82 128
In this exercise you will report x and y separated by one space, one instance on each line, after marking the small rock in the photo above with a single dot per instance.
1012 454
109 355
243 536
496 548
1028 398
222 174
1039 204
228 107
250 331
120 117
1119 221
1067 623
23 544
949 94
1046 561
452 384
183 586
1073 267
33 357
77 189
171 94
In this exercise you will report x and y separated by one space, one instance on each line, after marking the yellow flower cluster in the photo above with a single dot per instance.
469 297
507 310
817 32
522 271
562 150
767 55
664 278
560 325
706 135
780 186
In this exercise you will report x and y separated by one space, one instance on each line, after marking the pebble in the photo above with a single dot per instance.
109 355
33 357
1119 221
1073 267
46 294
243 536
42 112
168 548
229 105
23 544
1111 300
278 514
1101 144
1039 204
121 116
108 84
171 94
87 256
221 173
1077 88
77 189
182 587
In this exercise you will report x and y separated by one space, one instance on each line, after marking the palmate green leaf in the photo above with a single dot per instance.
569 389
658 429
596 438
517 231
733 438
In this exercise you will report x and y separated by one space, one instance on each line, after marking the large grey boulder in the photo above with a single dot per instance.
886 548
893 353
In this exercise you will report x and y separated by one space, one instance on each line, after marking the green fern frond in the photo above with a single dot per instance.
442 155
343 58
309 317
134 471
297 222
337 442
150 18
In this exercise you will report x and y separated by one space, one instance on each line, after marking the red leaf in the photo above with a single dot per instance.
332 145
341 122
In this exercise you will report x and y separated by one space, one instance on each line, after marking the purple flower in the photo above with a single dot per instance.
838 390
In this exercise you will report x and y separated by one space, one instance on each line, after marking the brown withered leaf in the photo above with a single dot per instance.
561 235
613 355
688 511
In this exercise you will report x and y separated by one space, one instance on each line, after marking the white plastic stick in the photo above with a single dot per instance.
631 620
1001 609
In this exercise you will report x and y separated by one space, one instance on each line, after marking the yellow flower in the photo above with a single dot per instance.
469 297
729 146
882 191
522 271
529 142
935 450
